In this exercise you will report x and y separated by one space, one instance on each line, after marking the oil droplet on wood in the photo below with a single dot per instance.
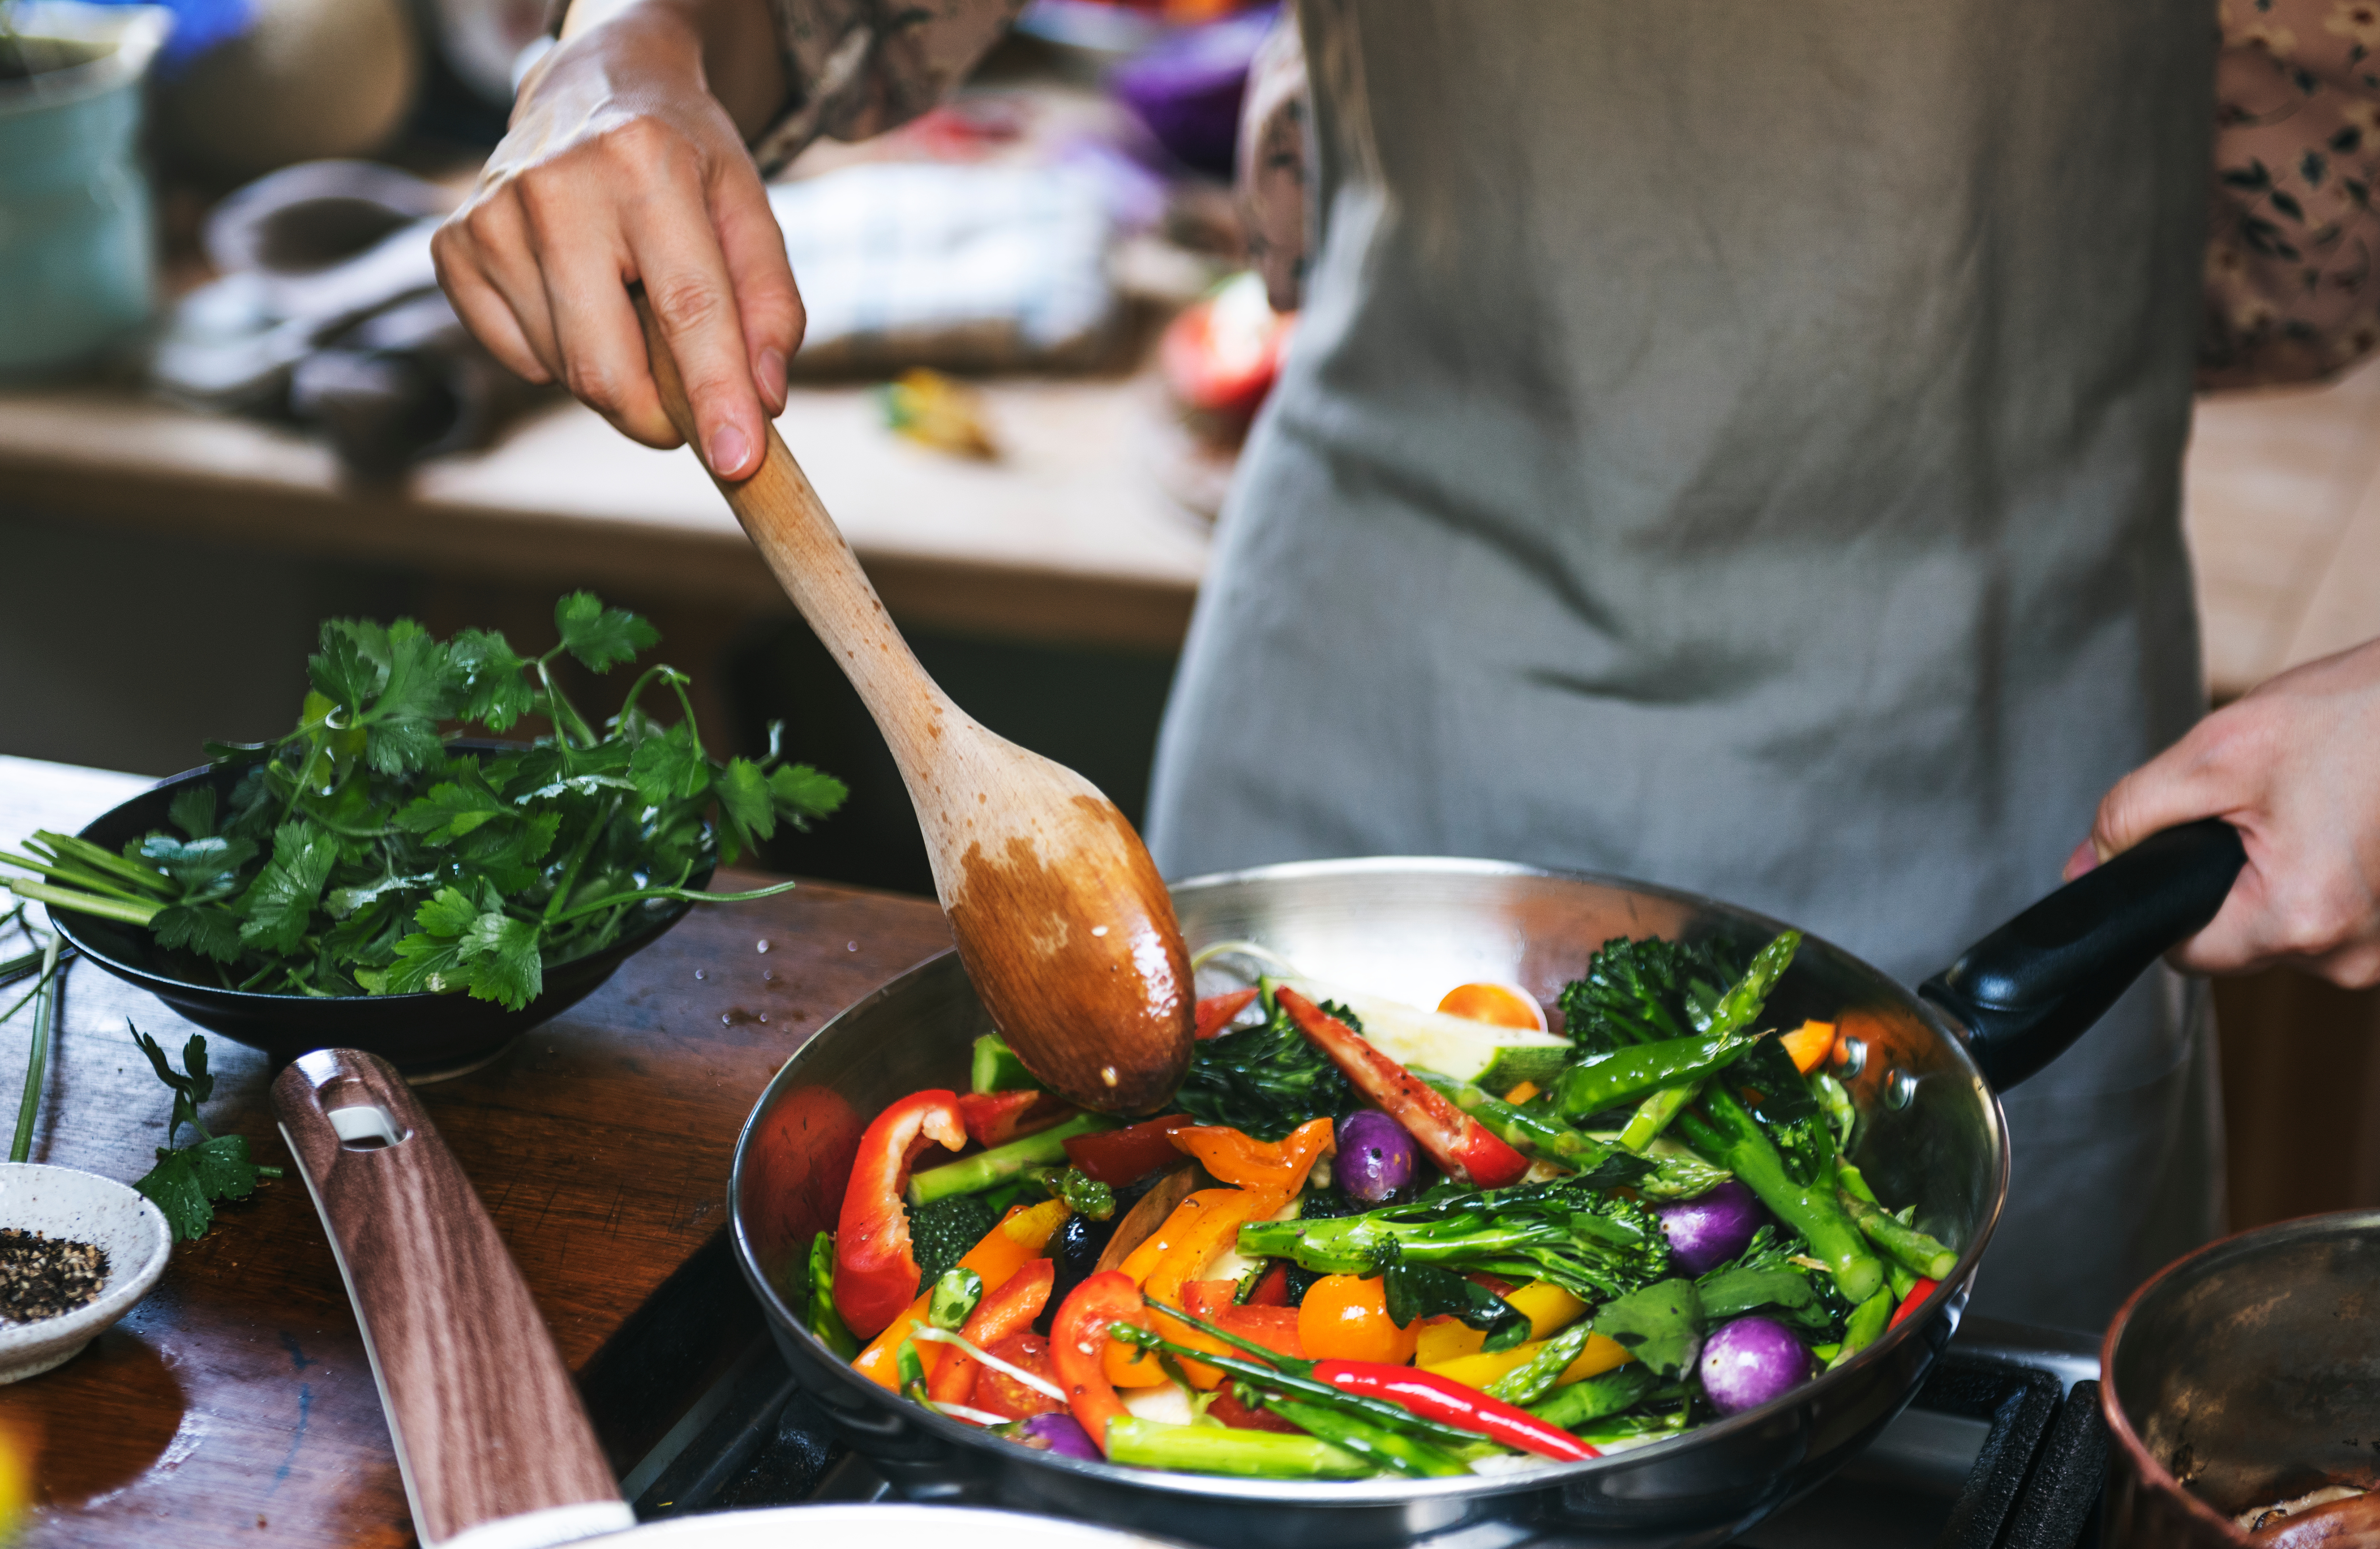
761 945
698 973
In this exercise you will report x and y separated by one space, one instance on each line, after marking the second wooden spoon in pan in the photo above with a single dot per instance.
1064 925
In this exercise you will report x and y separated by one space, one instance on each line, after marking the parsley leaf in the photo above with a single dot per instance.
489 674
670 768
600 636
211 932
282 899
186 1183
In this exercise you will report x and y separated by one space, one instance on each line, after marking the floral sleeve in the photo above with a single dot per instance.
2290 288
859 67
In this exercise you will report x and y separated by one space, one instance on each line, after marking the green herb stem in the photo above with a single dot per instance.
69 848
78 876
45 1012
130 911
688 894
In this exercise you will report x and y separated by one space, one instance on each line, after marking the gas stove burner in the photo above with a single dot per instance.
2003 1448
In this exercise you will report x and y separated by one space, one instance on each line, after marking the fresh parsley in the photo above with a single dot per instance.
186 1182
360 855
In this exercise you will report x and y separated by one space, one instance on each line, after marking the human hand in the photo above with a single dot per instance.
624 160
2295 767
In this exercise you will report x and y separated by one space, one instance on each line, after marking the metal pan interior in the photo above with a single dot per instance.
1931 1135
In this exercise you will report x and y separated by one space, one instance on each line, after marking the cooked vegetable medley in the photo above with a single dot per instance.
1377 1240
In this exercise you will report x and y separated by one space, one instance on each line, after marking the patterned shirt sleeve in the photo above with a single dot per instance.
1271 173
2290 289
858 67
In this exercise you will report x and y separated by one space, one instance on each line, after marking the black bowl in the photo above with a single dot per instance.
426 1036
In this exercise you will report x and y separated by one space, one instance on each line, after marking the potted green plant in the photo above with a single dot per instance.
78 261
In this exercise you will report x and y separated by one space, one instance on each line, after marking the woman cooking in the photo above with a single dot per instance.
1734 447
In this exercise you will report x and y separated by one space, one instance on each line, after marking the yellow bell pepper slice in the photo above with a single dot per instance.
1478 1371
1020 1238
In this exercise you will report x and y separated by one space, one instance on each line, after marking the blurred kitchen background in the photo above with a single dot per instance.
232 403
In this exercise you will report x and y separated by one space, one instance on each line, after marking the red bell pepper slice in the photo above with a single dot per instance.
1273 1327
1459 1145
996 1118
1120 1157
1078 1345
1917 1293
1454 1403
1272 1289
1009 1309
875 1270
1226 1406
1215 1012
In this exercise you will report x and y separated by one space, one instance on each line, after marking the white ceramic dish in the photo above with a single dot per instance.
80 1207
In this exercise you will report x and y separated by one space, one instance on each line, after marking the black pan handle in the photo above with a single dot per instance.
2032 987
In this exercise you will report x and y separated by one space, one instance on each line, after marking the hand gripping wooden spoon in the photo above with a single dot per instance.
1065 926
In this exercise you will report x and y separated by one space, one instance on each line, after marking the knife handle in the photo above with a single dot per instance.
494 1447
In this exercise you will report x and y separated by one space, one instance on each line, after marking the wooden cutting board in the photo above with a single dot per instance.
233 1406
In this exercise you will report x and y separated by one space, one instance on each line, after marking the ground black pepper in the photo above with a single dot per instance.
41 1277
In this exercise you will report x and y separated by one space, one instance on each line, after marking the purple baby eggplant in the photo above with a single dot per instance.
1751 1361
1062 1433
1710 1229
1376 1158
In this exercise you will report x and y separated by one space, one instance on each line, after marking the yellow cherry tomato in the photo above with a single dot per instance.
1497 1005
1346 1317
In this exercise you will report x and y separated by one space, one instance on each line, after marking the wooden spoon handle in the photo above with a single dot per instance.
811 560
489 1434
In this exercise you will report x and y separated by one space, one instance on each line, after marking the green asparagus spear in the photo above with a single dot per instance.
1536 1135
1534 1378
1735 1011
1406 1455
1732 1138
1574 1404
1146 1444
1868 1320
989 1169
1902 1243
1625 1075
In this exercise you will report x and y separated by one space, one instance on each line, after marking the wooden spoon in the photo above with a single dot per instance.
1062 920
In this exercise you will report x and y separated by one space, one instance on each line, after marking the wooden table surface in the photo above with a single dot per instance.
234 1405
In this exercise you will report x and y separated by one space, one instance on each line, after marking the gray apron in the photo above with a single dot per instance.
1738 446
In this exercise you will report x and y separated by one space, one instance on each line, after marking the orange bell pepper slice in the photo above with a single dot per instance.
1019 1239
1809 1045
1276 1167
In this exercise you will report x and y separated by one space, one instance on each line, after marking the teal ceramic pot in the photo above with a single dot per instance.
78 253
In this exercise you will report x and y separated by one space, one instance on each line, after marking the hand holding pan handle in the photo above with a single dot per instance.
495 1451
2030 988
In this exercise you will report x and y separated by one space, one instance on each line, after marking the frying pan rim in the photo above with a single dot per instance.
1393 1490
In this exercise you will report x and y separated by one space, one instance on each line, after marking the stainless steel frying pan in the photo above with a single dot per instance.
1924 1071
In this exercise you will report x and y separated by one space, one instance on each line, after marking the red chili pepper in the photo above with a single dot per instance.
1459 1143
1009 1309
996 1118
1215 1012
875 1272
1121 1156
1454 1403
1917 1293
1078 1345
